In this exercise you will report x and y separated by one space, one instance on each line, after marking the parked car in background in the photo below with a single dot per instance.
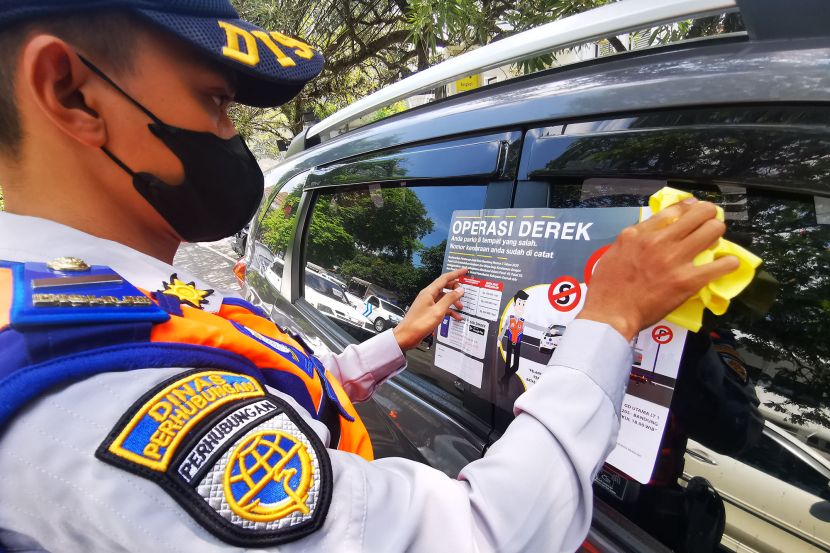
742 120
239 241
330 275
361 290
323 293
776 494
382 314
327 296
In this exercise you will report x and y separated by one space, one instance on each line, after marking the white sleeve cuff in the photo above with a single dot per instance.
598 351
361 368
383 355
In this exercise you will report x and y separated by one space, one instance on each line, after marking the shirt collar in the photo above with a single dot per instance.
31 239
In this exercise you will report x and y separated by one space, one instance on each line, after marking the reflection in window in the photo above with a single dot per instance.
771 457
384 244
786 350
274 230
392 308
822 210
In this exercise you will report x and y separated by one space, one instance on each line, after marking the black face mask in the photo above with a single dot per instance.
222 185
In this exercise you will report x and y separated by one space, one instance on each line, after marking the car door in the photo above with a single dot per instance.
767 167
763 487
381 219
372 310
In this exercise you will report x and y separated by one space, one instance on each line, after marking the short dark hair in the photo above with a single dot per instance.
521 295
110 33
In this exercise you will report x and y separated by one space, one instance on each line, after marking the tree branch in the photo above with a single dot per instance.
368 50
617 44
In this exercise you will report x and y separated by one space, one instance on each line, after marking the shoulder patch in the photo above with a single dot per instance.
734 361
45 294
241 461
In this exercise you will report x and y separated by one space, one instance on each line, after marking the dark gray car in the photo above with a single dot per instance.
741 120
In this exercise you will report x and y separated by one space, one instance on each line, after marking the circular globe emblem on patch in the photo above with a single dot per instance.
268 477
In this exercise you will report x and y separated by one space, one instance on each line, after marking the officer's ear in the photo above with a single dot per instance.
52 78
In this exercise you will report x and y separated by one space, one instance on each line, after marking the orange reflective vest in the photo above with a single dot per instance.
43 347
284 362
516 328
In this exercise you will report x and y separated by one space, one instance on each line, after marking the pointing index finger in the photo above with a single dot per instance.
441 282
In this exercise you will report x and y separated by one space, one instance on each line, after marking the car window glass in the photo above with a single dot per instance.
357 288
331 290
386 243
789 464
783 352
274 230
392 309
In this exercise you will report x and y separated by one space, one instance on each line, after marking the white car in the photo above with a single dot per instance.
775 494
273 274
550 339
324 294
330 299
382 313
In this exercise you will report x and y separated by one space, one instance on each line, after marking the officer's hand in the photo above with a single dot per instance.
429 308
648 272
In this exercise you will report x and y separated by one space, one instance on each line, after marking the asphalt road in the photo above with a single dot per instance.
210 261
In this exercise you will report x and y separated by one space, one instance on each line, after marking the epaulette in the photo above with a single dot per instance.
69 291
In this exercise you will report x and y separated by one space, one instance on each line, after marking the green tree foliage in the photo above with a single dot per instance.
369 44
277 223
373 235
365 46
432 260
404 278
792 336
388 222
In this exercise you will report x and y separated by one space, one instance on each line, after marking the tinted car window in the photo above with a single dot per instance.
784 349
387 243
326 287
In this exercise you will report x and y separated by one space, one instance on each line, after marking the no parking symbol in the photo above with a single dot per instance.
662 334
564 294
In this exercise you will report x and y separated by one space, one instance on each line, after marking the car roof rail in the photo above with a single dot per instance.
785 19
596 24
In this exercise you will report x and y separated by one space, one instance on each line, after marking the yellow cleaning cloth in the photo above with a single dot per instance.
715 295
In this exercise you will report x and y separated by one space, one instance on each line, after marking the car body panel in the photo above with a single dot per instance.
763 512
722 73
376 308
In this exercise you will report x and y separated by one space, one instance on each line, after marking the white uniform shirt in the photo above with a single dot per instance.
530 492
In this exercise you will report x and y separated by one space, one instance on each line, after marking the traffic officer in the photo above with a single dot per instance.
142 411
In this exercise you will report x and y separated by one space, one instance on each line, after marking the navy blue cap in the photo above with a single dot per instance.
272 68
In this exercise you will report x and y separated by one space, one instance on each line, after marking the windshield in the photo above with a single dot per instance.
325 287
389 307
